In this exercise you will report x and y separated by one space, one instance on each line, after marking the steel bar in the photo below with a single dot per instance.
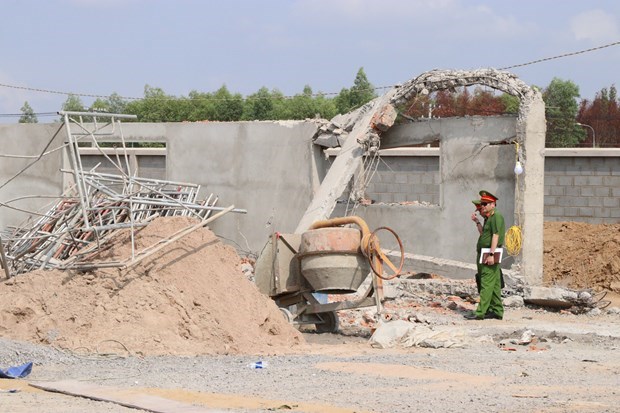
4 263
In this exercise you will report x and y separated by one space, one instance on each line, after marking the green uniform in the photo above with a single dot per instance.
490 275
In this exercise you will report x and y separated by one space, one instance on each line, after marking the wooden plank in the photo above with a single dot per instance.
126 397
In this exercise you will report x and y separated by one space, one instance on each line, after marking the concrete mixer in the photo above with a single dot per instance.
332 257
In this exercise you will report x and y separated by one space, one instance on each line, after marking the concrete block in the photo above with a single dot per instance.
400 197
609 202
586 190
601 212
549 297
432 189
428 178
602 191
381 188
572 191
557 190
327 141
572 201
513 301
615 192
404 188
418 189
426 198
595 201
551 180
580 180
566 181
551 200
594 180
556 212
401 178
415 178
393 188
614 213
612 181
586 212
385 198
571 212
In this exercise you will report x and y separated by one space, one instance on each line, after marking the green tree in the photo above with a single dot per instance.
157 106
228 107
259 105
561 108
74 104
112 104
511 103
302 106
359 94
28 115
201 106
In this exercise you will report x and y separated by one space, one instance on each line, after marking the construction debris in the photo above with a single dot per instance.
72 233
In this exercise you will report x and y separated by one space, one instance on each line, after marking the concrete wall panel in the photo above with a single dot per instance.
39 177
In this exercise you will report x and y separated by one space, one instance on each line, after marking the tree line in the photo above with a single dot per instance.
571 121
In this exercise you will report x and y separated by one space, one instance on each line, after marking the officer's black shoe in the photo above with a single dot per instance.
472 316
491 314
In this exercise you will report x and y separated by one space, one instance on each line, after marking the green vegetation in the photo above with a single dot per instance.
570 122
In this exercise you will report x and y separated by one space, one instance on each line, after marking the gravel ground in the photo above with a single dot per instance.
574 366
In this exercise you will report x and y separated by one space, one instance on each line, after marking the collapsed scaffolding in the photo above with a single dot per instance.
77 227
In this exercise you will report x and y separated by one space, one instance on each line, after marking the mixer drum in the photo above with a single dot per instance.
332 261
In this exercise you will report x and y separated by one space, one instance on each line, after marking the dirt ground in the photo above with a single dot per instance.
184 327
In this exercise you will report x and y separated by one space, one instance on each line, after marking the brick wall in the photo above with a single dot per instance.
583 189
405 179
579 186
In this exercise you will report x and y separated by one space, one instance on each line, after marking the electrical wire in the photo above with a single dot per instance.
211 98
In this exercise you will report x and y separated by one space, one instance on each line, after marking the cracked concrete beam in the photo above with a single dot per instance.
377 113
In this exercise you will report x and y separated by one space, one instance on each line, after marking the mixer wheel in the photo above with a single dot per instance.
288 316
329 324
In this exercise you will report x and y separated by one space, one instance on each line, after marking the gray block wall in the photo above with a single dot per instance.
272 168
401 179
585 189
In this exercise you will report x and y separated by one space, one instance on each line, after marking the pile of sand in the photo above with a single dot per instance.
582 256
190 298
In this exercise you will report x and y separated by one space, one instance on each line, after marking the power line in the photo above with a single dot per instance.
41 90
560 56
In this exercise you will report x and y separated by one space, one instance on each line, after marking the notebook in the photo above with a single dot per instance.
484 253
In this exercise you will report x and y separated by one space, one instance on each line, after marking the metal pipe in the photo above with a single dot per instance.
99 114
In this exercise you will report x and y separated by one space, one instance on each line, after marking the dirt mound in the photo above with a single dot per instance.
189 298
579 255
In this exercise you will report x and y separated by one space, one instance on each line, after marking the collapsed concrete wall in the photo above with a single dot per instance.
528 140
275 172
270 169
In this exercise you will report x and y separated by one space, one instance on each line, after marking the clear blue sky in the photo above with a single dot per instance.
100 47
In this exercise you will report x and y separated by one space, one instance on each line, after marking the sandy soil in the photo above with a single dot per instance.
186 324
